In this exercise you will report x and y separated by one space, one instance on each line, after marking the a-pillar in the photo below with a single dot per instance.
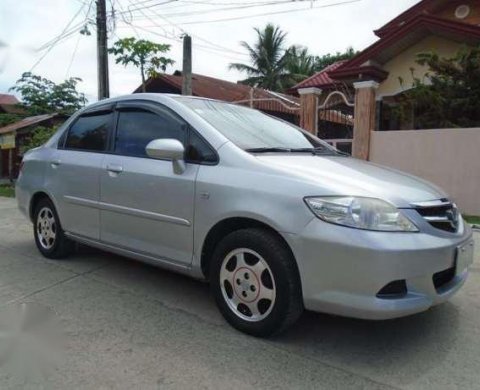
364 117
309 109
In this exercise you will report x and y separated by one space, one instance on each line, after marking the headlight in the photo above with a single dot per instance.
360 213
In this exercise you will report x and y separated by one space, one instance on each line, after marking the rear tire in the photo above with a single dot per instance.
255 282
47 230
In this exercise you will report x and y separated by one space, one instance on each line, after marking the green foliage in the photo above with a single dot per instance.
6 119
38 137
143 54
275 67
448 96
321 62
472 219
268 58
300 65
43 96
7 190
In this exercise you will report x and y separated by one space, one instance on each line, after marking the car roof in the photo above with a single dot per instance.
159 97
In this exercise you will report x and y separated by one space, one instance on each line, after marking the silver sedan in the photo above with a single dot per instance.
274 218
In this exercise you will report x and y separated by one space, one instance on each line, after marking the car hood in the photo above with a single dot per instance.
338 175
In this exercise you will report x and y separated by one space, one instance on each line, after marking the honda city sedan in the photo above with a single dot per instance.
275 219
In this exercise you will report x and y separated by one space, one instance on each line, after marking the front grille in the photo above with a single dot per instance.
442 278
441 214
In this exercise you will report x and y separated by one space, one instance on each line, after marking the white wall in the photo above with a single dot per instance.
449 158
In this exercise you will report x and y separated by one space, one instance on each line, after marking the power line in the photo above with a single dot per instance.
130 10
58 38
215 46
268 13
73 56
198 47
77 43
238 7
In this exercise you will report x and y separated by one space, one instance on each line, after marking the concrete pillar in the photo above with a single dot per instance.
364 117
309 109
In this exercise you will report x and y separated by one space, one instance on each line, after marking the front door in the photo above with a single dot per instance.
146 206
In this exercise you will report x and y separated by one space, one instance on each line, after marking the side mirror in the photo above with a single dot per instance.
168 149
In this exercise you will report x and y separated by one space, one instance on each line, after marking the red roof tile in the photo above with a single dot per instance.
406 35
213 88
8 99
320 79
422 7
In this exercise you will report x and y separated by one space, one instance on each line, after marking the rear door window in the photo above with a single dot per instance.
90 133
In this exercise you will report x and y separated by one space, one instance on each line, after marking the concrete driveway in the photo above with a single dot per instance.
130 325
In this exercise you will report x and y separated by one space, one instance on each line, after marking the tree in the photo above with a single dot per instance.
142 54
268 59
38 137
43 96
6 119
300 65
448 95
321 62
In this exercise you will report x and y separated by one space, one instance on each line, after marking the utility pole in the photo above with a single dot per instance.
187 65
102 55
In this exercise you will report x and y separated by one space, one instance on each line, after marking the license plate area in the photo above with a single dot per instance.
464 257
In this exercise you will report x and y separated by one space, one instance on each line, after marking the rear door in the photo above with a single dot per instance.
146 206
74 172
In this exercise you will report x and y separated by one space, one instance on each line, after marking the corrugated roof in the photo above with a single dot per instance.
320 79
29 121
8 99
213 88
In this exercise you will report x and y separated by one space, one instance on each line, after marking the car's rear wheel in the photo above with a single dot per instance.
49 236
255 282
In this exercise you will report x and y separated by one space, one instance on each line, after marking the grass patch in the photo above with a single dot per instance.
472 219
7 190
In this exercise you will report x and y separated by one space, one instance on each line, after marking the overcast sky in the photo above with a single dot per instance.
322 26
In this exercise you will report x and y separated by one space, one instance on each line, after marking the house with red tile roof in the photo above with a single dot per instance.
13 136
9 104
277 104
383 71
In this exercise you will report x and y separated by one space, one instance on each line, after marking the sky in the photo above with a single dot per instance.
217 27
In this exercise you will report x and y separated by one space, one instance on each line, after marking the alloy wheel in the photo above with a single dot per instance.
247 284
46 228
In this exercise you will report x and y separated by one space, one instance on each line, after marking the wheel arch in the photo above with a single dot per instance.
37 197
226 226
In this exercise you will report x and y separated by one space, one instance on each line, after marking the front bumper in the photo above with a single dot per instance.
343 269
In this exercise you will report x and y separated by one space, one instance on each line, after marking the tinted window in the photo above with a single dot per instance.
198 150
137 128
89 132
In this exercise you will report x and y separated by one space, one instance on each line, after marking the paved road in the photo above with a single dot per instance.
129 325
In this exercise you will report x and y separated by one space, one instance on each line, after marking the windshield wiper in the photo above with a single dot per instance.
318 150
268 150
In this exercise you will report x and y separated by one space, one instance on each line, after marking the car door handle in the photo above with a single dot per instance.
114 168
55 163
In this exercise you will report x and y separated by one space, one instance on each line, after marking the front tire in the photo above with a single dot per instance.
255 282
47 230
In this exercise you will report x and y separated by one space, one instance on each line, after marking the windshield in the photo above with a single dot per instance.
253 130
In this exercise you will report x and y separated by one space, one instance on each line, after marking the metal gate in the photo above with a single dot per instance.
335 121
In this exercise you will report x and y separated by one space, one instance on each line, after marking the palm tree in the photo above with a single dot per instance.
300 65
268 59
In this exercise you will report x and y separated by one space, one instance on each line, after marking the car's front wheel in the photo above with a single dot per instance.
49 236
255 282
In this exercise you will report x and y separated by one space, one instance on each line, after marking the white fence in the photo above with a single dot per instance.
449 158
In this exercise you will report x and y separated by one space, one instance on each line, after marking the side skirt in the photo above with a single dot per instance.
144 258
